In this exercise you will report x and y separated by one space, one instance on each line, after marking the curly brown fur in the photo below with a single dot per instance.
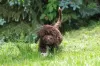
50 36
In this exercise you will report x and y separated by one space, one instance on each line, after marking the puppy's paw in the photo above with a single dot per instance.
44 54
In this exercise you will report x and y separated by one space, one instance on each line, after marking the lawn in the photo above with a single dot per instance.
79 48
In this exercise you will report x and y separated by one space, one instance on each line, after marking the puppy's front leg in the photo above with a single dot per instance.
43 49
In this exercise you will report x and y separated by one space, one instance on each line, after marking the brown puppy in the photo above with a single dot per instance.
50 36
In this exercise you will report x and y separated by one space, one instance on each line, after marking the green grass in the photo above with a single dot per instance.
79 48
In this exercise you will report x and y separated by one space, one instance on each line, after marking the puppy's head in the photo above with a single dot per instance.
48 39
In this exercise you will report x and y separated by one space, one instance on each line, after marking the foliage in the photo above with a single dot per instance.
18 10
31 10
78 12
89 10
14 34
50 10
30 14
21 18
70 3
2 21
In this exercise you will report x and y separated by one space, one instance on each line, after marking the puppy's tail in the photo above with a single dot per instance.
59 21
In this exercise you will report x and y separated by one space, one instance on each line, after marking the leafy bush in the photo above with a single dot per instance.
89 10
78 10
50 10
23 17
2 21
71 3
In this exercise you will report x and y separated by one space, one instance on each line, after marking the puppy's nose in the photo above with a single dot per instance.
48 38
